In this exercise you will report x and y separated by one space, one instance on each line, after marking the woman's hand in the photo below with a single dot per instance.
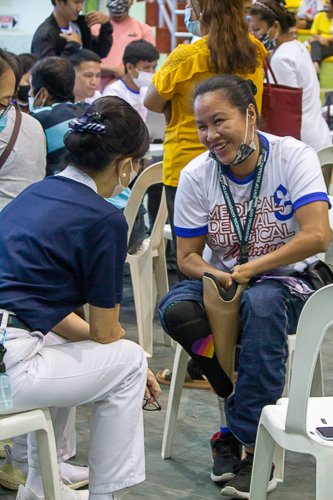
153 390
323 41
225 279
242 274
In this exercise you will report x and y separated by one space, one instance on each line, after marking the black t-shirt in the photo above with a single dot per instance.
61 246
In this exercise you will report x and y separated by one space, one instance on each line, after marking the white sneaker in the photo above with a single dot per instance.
66 493
74 476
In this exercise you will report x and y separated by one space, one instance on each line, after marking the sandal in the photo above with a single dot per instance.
194 378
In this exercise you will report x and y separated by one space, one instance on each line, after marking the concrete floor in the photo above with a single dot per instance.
186 475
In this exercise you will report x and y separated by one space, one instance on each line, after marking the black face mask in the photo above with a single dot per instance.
23 93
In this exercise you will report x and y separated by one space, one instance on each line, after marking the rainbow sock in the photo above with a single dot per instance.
224 430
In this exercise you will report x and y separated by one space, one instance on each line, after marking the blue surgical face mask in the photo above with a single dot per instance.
3 122
31 102
191 26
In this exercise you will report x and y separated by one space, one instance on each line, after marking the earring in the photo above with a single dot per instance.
123 175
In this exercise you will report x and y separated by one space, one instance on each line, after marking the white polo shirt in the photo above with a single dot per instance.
292 178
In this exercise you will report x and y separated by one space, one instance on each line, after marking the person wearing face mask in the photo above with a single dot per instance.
52 103
220 232
20 169
126 29
140 61
87 239
322 35
27 61
291 63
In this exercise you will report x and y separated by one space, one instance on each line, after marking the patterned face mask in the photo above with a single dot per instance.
118 8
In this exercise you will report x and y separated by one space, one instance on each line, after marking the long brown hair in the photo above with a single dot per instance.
231 49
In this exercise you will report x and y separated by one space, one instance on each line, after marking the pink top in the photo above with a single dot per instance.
123 34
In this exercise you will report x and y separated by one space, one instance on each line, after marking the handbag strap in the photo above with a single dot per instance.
268 67
13 137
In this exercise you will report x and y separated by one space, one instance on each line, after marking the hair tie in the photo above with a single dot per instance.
266 7
89 123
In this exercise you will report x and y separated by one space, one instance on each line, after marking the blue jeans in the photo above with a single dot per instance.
269 313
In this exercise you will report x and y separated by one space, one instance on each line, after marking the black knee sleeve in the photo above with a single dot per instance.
187 324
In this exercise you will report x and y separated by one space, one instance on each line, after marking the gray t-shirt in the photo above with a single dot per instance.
27 162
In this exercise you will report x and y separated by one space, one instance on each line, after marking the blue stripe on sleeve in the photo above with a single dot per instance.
310 198
186 232
55 135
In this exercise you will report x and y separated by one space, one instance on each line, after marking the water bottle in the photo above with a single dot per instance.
6 401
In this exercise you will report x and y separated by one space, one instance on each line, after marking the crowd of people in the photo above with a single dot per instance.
248 207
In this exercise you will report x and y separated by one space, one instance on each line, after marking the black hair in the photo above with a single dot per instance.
57 76
274 10
140 50
126 136
8 60
27 62
53 2
77 56
238 92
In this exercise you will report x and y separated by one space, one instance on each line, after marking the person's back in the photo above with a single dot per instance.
38 215
27 162
292 65
65 27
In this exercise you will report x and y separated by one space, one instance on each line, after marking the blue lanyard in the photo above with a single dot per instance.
243 235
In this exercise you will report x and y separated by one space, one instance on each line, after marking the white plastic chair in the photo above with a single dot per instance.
292 421
149 261
176 388
39 421
326 161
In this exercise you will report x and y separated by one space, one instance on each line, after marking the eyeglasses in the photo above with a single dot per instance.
4 109
154 406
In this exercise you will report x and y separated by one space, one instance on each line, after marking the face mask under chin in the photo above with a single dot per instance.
244 150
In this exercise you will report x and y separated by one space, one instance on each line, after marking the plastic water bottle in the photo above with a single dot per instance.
6 401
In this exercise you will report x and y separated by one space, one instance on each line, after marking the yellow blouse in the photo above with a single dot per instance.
176 80
322 25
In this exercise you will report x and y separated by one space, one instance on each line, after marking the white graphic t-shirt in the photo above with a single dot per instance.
292 178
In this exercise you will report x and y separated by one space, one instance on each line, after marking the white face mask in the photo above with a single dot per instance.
144 79
120 188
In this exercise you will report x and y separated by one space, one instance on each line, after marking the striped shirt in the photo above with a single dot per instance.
54 120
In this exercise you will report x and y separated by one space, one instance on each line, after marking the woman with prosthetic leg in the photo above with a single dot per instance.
250 211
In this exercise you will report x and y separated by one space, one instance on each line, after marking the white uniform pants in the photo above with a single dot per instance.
67 446
111 376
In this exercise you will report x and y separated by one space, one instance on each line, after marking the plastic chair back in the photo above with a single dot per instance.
326 161
150 176
316 318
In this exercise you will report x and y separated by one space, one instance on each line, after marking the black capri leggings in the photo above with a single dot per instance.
319 52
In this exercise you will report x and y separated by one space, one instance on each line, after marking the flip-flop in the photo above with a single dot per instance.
164 378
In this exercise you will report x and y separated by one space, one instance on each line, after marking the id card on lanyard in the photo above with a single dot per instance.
243 235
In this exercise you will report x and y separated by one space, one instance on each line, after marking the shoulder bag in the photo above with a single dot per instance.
13 137
281 112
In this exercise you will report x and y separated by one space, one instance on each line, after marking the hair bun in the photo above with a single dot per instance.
80 143
252 86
